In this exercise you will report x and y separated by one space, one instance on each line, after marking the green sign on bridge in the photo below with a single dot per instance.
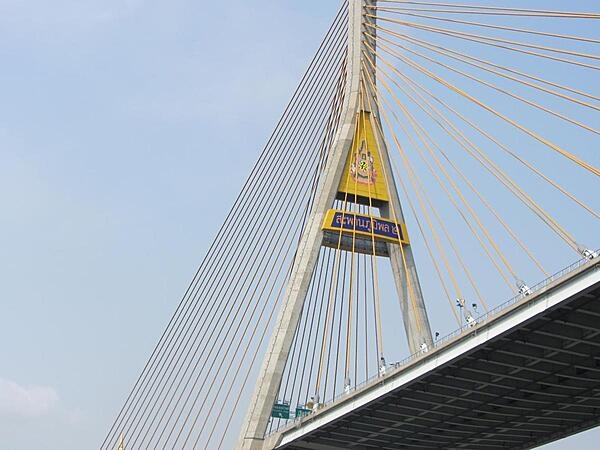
281 411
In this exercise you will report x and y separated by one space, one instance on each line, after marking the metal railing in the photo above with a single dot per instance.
533 290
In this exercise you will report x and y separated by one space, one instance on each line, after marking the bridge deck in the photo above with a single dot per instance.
526 376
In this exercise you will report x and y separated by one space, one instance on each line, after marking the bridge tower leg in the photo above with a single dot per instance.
415 318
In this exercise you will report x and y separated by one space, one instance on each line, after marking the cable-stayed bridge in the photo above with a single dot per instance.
435 160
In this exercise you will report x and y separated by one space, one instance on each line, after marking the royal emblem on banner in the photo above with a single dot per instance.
363 179
362 168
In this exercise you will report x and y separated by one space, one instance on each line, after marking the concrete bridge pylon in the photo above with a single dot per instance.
359 100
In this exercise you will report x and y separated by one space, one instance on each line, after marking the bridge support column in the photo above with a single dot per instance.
255 425
408 287
254 428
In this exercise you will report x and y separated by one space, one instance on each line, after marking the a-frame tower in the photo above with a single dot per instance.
358 160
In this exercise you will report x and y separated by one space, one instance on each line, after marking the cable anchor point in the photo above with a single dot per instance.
586 252
468 315
523 288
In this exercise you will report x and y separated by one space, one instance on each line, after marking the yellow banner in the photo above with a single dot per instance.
357 224
363 178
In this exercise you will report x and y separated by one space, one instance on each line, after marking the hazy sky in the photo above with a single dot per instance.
127 128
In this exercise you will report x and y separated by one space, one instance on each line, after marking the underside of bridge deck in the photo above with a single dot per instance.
538 382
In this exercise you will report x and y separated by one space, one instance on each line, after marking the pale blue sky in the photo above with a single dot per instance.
126 130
